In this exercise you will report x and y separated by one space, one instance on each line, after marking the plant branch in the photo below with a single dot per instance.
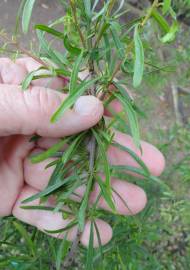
22 49
148 15
92 146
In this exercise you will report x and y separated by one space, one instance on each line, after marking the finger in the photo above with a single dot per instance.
129 199
48 220
37 175
150 155
30 65
11 73
33 109
47 142
13 151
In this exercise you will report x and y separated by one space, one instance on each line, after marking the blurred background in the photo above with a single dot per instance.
162 240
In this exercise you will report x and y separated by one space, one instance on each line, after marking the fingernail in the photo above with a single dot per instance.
87 105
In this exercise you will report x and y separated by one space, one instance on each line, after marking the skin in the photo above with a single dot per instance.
23 114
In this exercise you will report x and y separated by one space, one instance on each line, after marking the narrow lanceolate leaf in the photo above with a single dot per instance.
72 148
170 36
74 74
107 48
132 118
161 21
166 6
69 226
48 50
105 194
118 44
50 152
26 82
99 243
27 13
103 155
134 156
49 189
90 251
129 169
49 30
139 59
71 99
87 5
70 48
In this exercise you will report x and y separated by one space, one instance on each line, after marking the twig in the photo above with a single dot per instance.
92 146
155 4
22 49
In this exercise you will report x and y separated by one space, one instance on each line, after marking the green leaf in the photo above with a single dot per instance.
106 194
23 232
29 77
69 226
71 99
90 250
49 189
74 74
130 169
134 156
123 92
170 36
34 75
72 189
50 152
57 173
101 12
48 50
72 148
132 118
18 16
27 13
49 30
103 155
70 48
45 208
87 5
139 59
107 48
166 6
118 44
99 243
161 21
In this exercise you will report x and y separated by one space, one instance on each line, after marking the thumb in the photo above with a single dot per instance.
29 112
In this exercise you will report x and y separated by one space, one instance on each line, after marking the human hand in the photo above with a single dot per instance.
23 114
